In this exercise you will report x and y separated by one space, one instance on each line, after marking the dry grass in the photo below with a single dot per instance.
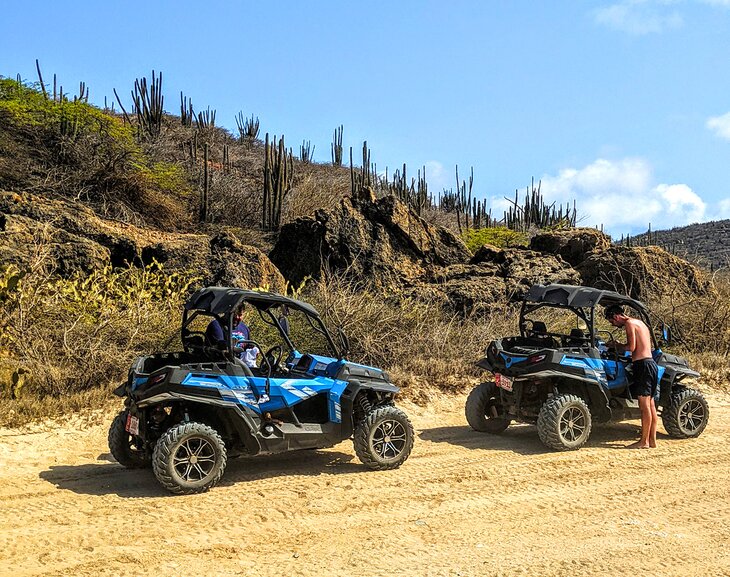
419 343
67 338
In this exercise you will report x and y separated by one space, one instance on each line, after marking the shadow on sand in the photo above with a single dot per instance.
523 439
106 477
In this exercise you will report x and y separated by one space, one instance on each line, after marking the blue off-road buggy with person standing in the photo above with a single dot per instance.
186 412
560 374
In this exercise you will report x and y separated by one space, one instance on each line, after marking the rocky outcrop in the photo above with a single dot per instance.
71 238
382 241
26 243
643 272
573 246
494 276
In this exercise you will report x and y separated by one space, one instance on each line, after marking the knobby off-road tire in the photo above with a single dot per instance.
383 439
124 447
687 414
484 410
189 458
564 423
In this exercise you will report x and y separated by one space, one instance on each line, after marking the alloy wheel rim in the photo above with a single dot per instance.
389 439
691 415
572 424
194 459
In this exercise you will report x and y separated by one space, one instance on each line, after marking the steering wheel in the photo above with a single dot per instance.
612 353
274 360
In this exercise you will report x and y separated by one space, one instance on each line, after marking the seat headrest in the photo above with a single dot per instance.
539 327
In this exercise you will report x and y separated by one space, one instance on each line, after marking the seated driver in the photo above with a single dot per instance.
215 333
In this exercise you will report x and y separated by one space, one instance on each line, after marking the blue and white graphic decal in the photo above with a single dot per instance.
288 392
335 407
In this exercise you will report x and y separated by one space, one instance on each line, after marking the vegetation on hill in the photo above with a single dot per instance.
704 243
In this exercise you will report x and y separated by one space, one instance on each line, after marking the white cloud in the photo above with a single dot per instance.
724 209
437 177
639 17
622 196
720 125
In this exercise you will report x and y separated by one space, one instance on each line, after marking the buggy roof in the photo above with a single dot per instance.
224 300
578 296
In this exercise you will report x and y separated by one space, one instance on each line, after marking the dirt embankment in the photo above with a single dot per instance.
463 504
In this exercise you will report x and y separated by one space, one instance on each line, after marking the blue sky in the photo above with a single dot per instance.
623 105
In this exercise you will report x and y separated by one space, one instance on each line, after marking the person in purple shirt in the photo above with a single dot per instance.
215 333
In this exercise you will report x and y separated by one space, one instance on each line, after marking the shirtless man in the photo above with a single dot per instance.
645 381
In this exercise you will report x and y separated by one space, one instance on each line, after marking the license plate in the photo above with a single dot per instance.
132 426
503 382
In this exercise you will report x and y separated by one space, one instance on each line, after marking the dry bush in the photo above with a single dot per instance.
71 335
315 187
700 324
417 341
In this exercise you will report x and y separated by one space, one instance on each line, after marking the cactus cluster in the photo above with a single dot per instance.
306 152
536 213
186 110
248 128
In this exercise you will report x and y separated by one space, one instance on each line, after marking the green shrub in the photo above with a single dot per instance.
497 236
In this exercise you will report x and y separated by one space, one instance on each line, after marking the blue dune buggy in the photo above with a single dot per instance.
186 412
566 378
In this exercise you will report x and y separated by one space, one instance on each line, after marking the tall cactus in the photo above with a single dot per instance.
336 147
278 179
186 110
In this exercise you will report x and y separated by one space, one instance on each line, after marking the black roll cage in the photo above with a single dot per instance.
587 313
262 307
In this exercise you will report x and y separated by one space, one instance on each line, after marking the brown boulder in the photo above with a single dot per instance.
643 272
572 245
235 264
382 242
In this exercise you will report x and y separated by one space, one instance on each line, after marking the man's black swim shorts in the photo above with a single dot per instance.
645 378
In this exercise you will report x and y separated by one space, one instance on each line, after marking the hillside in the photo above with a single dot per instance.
107 219
704 243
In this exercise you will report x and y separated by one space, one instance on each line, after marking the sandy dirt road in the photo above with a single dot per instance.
463 504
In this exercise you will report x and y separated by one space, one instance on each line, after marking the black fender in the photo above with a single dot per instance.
672 376
593 393
382 389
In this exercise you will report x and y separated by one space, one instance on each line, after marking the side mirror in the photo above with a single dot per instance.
344 341
666 333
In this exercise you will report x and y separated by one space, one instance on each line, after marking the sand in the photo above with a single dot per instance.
464 503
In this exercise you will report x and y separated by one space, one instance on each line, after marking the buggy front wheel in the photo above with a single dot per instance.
384 438
687 414
189 458
564 423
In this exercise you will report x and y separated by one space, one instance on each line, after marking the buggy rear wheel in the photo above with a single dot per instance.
687 414
484 411
189 458
564 423
127 449
384 438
